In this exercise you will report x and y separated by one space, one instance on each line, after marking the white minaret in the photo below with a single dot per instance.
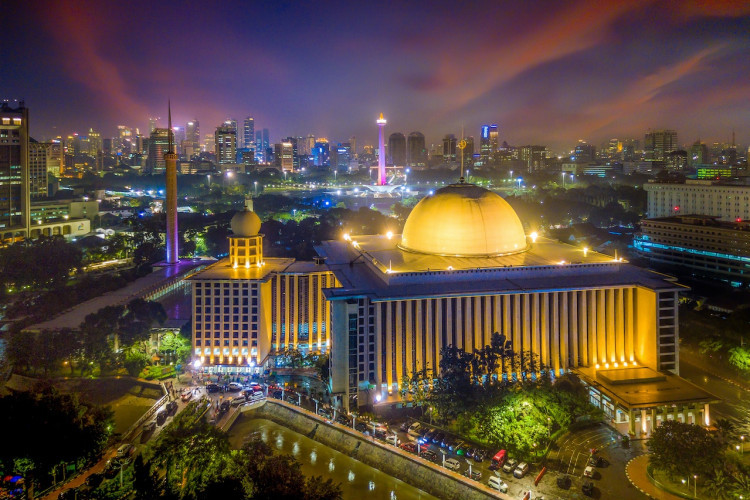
382 180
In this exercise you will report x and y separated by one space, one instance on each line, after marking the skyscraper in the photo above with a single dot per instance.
191 146
484 143
14 171
226 144
266 139
659 143
416 152
449 148
397 149
382 180
248 133
158 144
353 144
38 154
493 139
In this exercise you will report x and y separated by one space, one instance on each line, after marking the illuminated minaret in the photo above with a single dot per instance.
170 158
382 181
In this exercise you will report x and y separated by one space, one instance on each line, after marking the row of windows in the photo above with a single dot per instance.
226 343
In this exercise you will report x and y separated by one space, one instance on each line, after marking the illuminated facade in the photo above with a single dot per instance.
14 172
463 269
728 202
704 245
246 307
382 180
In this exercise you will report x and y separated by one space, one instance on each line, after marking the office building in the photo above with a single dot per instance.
226 144
247 306
535 157
700 245
397 149
342 157
321 153
727 202
494 140
248 133
14 171
698 154
38 157
416 151
659 143
464 268
283 156
449 148
158 143
266 139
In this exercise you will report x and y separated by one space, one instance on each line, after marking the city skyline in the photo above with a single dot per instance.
551 73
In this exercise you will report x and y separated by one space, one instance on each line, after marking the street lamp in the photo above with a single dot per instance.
695 486
519 182
563 177
256 187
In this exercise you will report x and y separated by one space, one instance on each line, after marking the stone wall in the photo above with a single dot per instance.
407 467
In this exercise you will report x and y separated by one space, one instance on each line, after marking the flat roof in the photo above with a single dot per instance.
644 387
161 275
361 272
222 270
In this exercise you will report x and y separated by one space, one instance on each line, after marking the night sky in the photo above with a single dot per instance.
546 72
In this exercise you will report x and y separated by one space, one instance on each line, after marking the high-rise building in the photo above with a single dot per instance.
158 144
307 145
728 202
209 143
342 157
95 142
659 143
583 152
152 124
397 149
416 152
321 153
38 153
248 133
449 148
295 151
353 144
191 146
55 164
124 140
226 144
14 171
466 155
534 156
266 139
494 139
284 156
485 151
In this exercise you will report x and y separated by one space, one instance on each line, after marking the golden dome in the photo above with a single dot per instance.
245 224
463 220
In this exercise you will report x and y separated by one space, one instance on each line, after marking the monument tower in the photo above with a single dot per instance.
170 158
382 180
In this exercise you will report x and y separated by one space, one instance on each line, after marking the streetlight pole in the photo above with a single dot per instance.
695 486
256 187
563 176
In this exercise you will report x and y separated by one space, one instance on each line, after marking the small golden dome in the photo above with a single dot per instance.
245 224
463 220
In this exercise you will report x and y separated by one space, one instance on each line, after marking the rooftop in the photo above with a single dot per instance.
376 267
643 387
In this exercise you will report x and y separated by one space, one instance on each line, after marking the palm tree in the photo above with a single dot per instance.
719 484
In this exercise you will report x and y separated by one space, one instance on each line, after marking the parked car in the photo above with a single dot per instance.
521 470
343 420
475 474
224 406
125 450
171 408
498 460
149 426
470 452
186 395
498 484
510 465
460 448
239 400
94 480
325 413
452 464
277 394
212 388
414 429
564 482
588 488
431 433
428 455
361 427
411 447
448 442
161 417
589 472
479 455
234 387
438 438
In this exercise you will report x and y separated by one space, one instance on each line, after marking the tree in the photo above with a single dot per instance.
740 357
47 428
684 449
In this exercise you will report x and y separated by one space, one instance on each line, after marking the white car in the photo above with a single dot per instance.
498 484
452 464
589 471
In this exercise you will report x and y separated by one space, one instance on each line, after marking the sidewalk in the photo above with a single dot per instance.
636 472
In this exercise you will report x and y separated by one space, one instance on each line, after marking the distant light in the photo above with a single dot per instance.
562 263
197 363
389 234
347 237
585 251
597 366
534 236
450 268
378 397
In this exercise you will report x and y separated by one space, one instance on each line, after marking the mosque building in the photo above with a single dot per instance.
383 306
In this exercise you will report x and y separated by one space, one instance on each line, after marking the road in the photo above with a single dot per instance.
735 401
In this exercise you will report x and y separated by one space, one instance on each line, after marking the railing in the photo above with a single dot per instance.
126 436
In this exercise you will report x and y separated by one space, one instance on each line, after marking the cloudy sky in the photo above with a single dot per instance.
545 72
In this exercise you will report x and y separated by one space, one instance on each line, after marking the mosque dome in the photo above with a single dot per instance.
245 223
463 220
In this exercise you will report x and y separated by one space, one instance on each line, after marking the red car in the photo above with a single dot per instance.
410 447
